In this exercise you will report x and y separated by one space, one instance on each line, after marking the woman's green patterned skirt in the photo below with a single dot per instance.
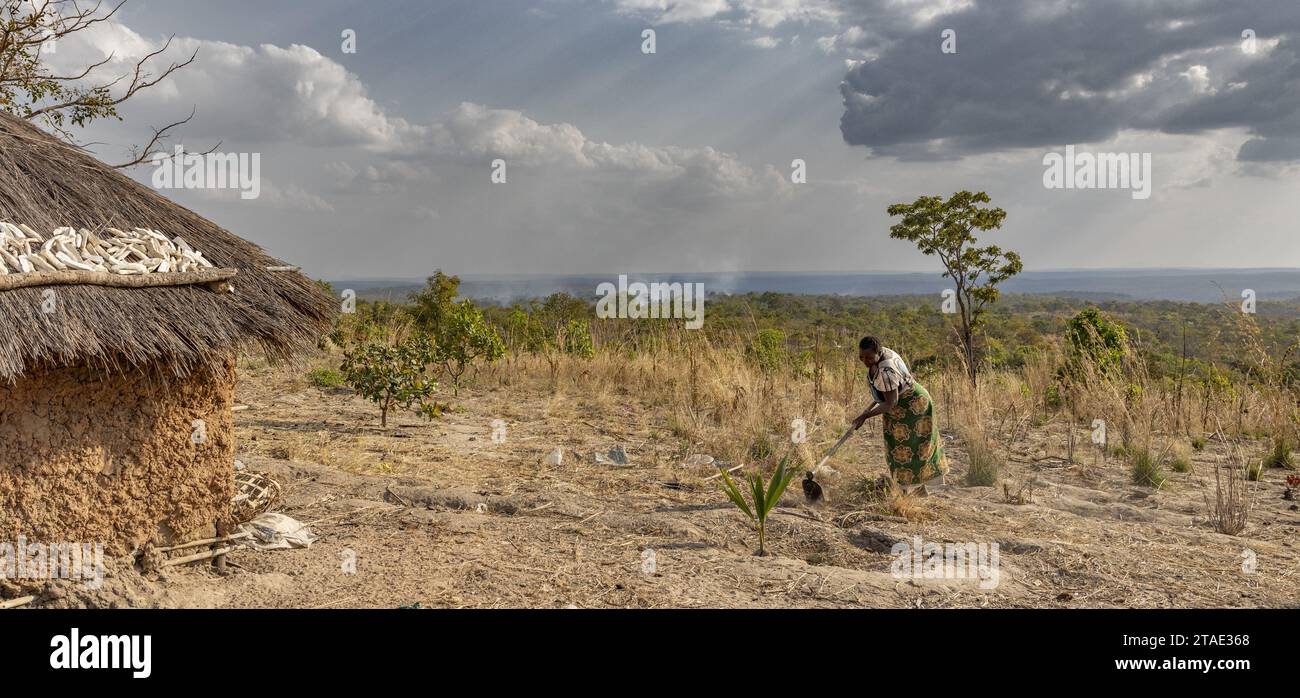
913 448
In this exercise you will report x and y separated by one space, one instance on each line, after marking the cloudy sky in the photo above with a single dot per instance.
378 162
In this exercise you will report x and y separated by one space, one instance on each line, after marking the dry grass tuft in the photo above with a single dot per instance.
1230 511
985 466
1146 469
1180 457
1280 456
908 504
1023 493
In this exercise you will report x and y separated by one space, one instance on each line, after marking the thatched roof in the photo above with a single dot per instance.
45 184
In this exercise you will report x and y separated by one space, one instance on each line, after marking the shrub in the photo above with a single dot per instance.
463 337
1198 444
323 377
1254 470
430 305
371 322
547 332
1093 338
873 488
577 339
390 375
768 350
1052 399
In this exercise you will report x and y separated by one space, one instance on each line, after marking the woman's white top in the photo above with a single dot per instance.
892 373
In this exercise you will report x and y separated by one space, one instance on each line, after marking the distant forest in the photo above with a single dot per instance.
1192 339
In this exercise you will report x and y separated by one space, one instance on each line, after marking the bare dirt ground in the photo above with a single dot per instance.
439 514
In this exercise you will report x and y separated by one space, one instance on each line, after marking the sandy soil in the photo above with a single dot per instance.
441 515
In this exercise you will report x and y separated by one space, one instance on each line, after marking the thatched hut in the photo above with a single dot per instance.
115 402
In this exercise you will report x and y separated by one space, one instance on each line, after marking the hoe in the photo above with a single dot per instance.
811 490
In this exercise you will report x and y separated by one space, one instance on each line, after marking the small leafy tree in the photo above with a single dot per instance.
764 497
461 335
517 325
946 229
559 308
1093 338
768 350
542 334
577 339
393 375
462 338
431 303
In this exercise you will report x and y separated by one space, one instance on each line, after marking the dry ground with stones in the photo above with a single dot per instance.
439 514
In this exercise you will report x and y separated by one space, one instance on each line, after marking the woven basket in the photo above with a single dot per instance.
255 493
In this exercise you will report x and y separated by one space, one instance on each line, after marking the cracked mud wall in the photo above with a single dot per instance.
88 456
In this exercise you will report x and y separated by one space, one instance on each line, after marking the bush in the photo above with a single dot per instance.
548 333
1198 444
323 377
768 350
1093 338
463 337
430 305
1254 470
577 339
1052 399
1147 470
393 375
873 488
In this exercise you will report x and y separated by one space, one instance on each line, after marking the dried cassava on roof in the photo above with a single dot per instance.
143 251
46 184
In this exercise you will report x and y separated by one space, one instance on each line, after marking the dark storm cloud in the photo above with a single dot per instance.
1039 73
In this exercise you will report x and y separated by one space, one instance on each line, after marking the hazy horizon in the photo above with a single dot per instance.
1184 285
661 272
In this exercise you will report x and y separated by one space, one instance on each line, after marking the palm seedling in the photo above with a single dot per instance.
764 496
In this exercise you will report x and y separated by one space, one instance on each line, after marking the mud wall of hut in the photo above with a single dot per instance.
89 456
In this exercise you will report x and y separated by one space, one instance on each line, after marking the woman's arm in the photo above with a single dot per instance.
889 399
